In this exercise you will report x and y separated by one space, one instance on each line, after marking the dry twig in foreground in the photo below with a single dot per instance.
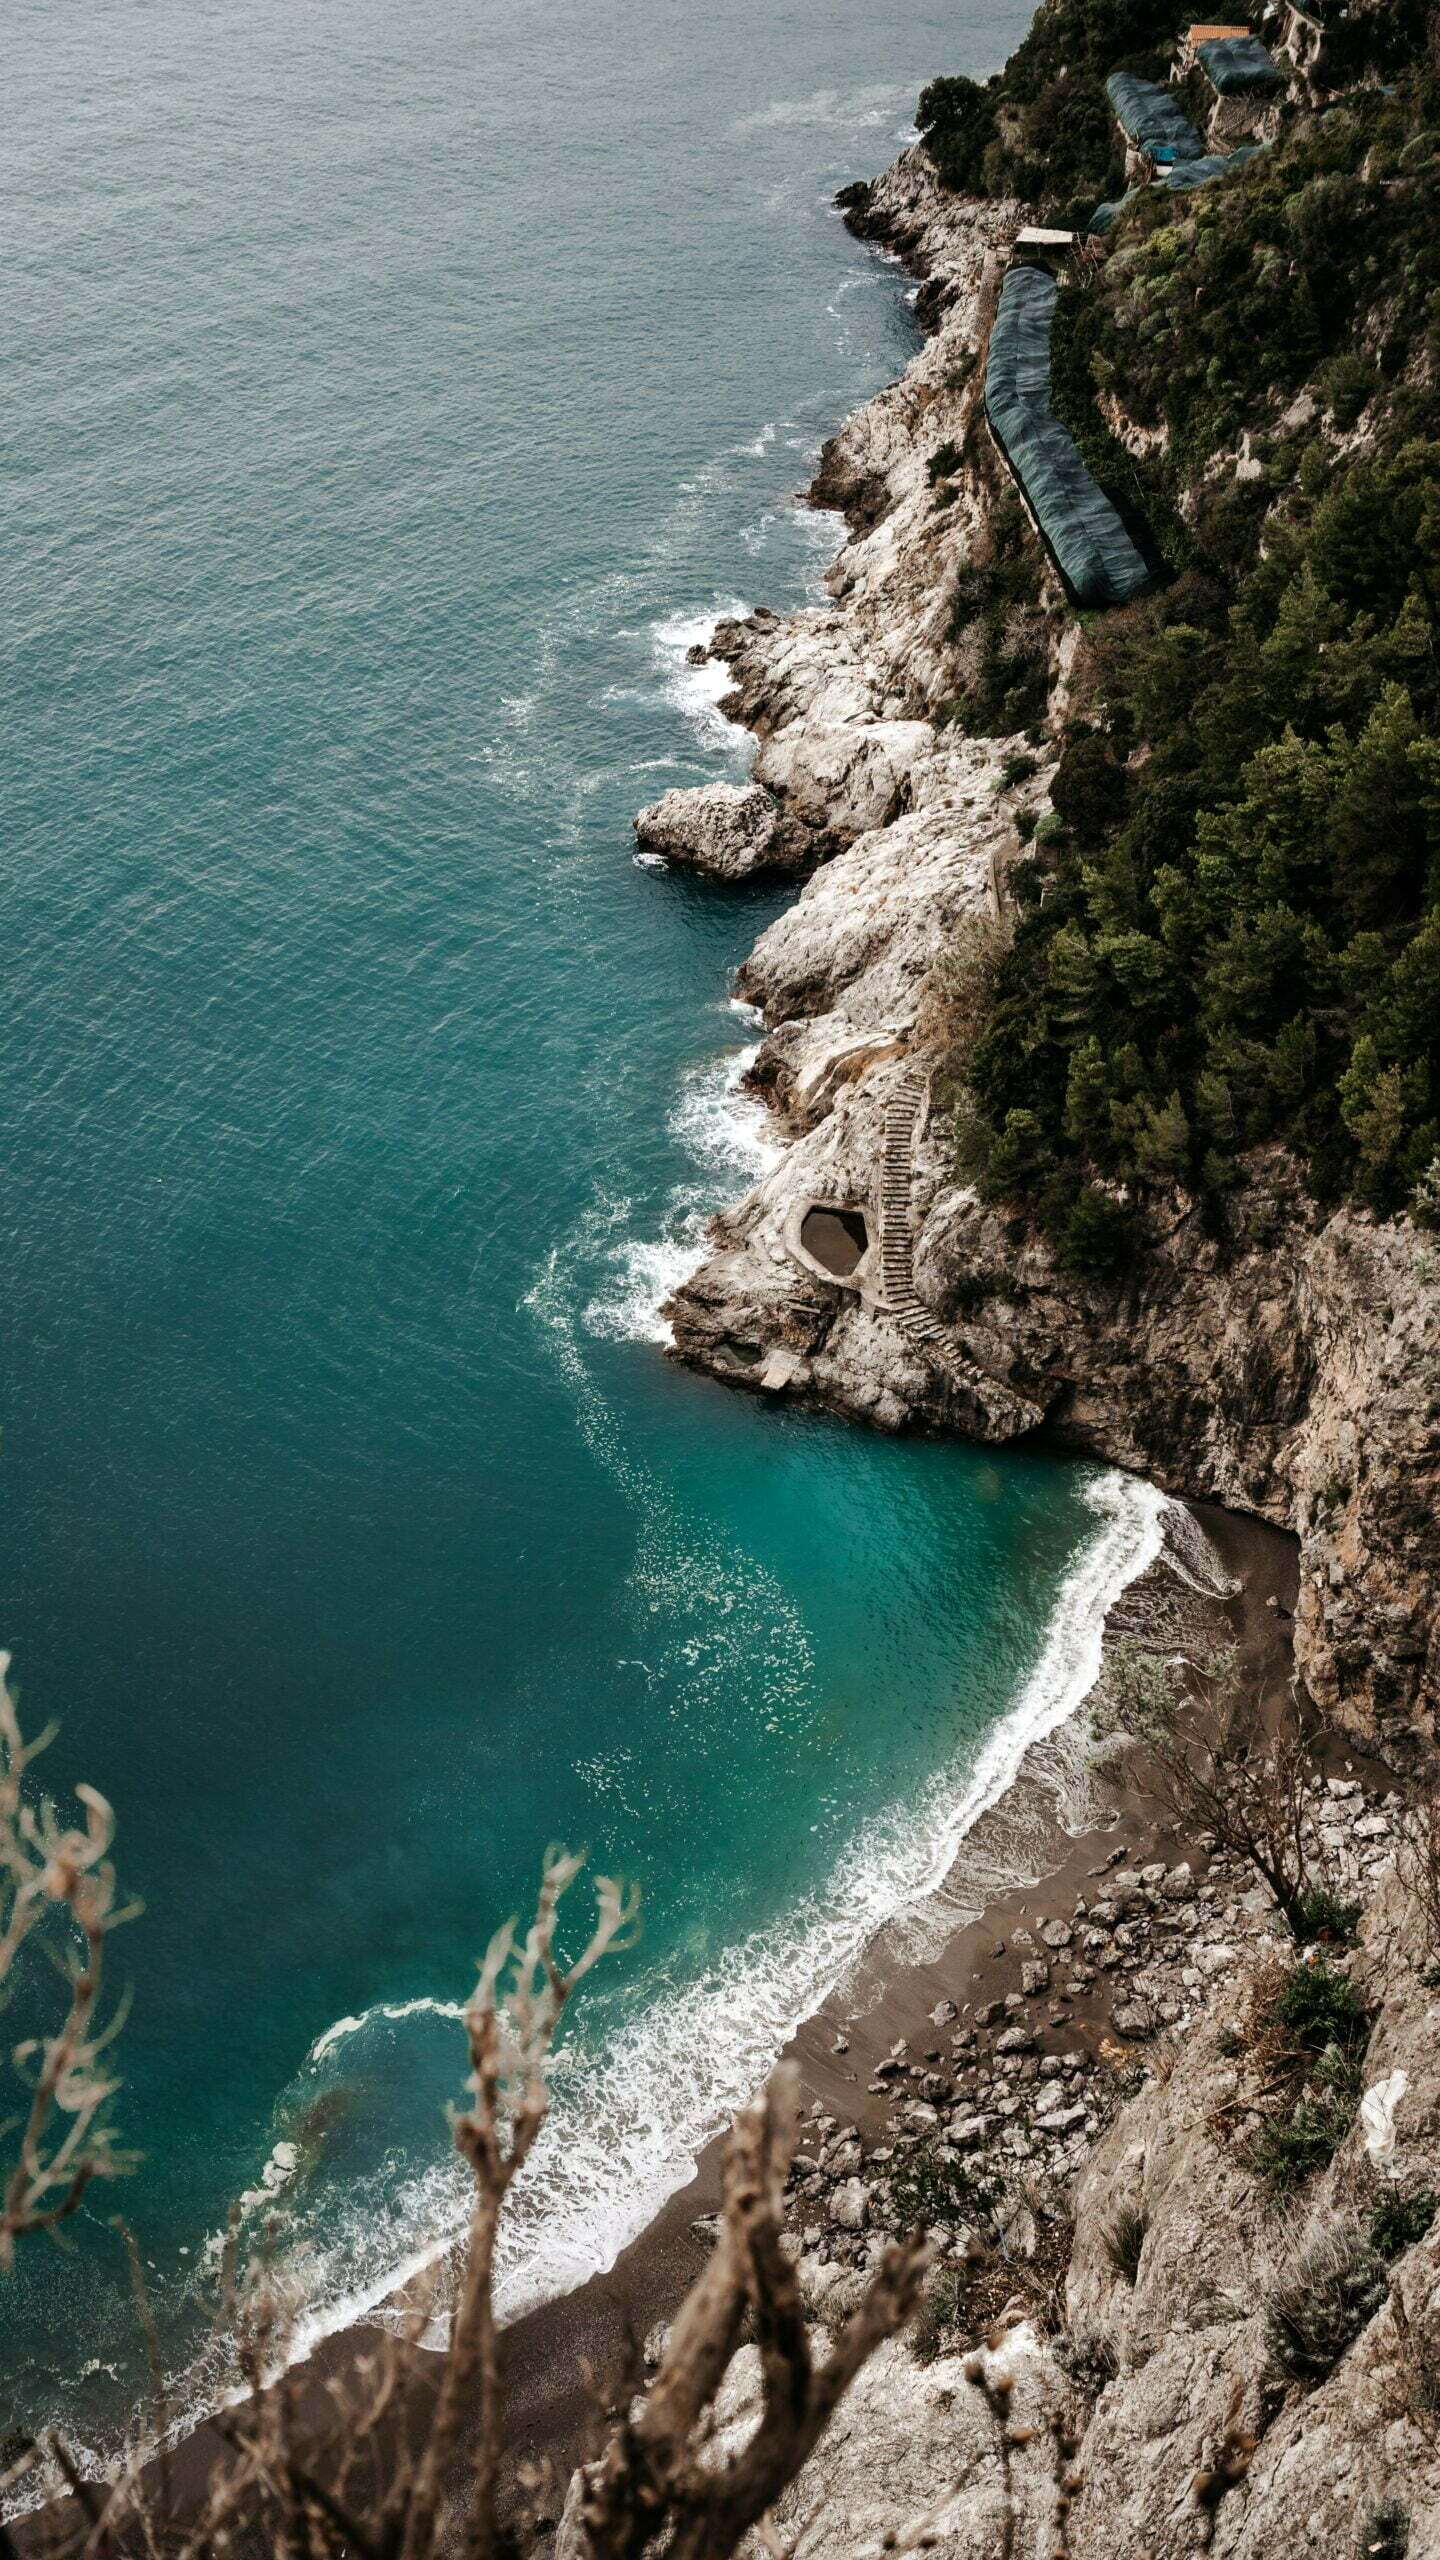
58 1900
402 2458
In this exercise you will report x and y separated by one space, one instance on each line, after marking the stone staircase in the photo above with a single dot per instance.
902 1303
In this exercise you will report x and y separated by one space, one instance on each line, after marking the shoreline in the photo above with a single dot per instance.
891 1993
885 1993
876 1995
889 1996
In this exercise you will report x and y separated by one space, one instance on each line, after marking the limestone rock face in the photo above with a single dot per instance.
904 2437
835 781
1163 2376
1281 1368
1189 2337
864 933
729 830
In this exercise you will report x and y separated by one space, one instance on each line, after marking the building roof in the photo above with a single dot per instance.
1152 117
1237 66
1203 35
1184 174
1033 237
1096 557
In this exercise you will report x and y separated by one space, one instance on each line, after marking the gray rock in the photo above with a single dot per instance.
1061 2120
728 830
850 2205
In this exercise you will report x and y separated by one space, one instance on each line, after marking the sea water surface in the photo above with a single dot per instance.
393 393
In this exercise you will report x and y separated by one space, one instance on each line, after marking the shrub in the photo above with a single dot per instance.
1095 1240
1122 2238
1322 2007
927 2192
1088 788
1324 2022
1385 2534
956 121
1321 1913
939 2323
1398 2221
1318 2303
1348 383
1290 2149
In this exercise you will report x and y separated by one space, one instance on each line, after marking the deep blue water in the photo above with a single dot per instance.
391 394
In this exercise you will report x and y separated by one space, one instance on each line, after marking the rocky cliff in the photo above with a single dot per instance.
1287 1365
1221 2367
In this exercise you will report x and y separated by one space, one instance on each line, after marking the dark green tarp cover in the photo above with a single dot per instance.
1095 555
1185 173
1152 116
1238 66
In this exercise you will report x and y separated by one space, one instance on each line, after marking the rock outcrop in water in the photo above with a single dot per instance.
729 830
1285 1370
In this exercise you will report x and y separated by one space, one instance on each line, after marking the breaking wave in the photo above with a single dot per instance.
728 1136
632 2111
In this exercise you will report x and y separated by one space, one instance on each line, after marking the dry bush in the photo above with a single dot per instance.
1302 2049
1320 2298
1122 2237
58 1905
957 998
1223 1773
403 2457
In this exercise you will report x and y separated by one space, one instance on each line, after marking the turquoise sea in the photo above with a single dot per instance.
392 394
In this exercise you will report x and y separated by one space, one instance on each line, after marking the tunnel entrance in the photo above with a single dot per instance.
836 1238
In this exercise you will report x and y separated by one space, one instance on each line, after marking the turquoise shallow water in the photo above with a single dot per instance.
392 395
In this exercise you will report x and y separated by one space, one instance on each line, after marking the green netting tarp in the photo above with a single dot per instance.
1093 552
1152 117
1238 66
1184 174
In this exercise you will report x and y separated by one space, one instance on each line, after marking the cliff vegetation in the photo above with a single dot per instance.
1229 925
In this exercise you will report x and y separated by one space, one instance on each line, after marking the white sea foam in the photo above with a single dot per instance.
697 691
726 1129
681 2067
644 1271
728 1135
851 110
344 2028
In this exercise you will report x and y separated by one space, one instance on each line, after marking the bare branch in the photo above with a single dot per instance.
57 1893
